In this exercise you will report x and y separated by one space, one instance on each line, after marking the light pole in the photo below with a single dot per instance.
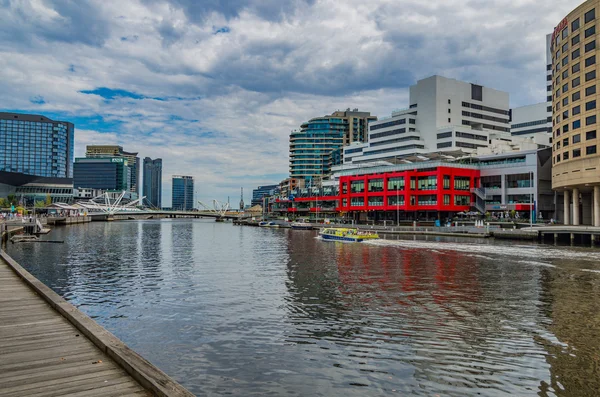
531 199
397 198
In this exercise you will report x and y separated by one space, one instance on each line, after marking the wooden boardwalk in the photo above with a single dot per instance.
43 354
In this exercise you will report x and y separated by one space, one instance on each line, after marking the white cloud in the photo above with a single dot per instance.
229 100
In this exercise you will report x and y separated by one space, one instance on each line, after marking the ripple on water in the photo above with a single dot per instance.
253 311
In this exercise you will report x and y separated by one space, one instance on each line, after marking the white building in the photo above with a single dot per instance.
445 115
532 121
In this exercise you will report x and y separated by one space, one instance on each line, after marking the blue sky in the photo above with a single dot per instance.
215 87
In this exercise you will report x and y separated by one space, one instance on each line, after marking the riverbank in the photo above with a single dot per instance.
50 355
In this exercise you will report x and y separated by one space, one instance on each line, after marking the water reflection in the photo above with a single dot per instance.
237 310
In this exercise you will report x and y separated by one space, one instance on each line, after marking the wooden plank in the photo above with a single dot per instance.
27 388
77 357
56 352
108 391
19 340
79 386
44 344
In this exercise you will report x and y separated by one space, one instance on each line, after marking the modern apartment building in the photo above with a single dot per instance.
444 115
153 182
532 121
576 161
36 145
311 147
262 191
104 173
182 193
114 150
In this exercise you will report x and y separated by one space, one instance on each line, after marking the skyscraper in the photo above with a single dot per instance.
104 173
311 147
35 145
183 193
95 151
153 181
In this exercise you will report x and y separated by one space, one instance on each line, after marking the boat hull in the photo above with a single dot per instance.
340 238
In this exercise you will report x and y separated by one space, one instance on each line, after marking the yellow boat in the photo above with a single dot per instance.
345 234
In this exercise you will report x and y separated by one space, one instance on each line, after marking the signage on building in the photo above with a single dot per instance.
116 160
563 24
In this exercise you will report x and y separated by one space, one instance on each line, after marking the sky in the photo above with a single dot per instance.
215 87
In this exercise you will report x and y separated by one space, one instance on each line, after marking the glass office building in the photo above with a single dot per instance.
35 145
153 181
183 193
109 173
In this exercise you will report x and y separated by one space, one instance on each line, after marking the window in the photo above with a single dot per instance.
590 150
576 96
427 183
576 138
448 110
565 47
558 144
565 128
565 33
589 16
357 187
576 82
565 101
565 115
446 199
396 200
462 200
575 68
376 201
590 105
376 185
576 153
590 46
576 124
476 92
462 183
565 142
557 93
565 155
590 120
590 61
590 135
565 87
590 31
565 60
396 183
449 101
357 202
576 110
449 120
558 158
565 74
575 40
590 90
575 25
590 75
574 55
446 182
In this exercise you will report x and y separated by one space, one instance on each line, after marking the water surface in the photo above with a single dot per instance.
229 310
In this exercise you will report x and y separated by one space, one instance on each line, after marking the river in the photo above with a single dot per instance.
231 310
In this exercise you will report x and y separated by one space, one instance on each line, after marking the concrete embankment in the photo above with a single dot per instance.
48 345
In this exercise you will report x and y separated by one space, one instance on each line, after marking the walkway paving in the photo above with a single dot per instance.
43 354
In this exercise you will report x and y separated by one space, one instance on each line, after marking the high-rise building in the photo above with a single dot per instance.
444 115
311 147
576 161
259 193
531 121
36 145
153 181
104 173
183 193
114 150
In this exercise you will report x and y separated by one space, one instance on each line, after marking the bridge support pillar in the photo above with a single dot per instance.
572 238
555 238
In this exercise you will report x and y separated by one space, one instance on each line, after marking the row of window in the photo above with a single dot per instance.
587 17
387 133
591 90
400 200
485 108
590 120
575 139
416 183
589 150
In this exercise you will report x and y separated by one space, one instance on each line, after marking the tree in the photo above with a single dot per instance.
12 199
48 199
39 204
4 203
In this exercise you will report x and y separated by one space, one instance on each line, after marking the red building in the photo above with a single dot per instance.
417 192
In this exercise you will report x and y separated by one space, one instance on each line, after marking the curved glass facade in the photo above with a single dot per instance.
36 145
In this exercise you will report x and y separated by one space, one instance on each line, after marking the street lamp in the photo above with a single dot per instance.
531 209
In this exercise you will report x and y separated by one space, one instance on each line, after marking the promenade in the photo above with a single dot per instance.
49 348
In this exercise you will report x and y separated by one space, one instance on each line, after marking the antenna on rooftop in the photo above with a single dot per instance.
242 199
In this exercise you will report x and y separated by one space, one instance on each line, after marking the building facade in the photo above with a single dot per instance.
133 161
153 181
531 121
30 188
262 191
311 147
444 115
183 193
36 145
576 161
104 173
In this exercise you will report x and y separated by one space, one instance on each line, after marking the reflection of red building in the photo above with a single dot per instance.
437 192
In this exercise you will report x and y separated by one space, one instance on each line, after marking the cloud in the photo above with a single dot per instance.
215 87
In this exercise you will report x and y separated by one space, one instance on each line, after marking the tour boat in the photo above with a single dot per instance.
267 224
345 234
301 225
